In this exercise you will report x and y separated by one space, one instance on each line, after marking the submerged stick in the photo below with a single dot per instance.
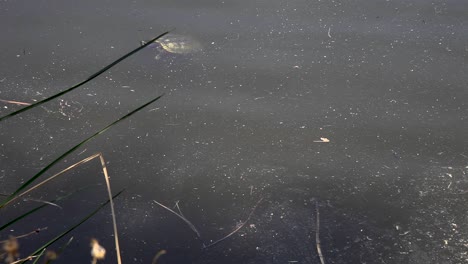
317 236
194 229
237 229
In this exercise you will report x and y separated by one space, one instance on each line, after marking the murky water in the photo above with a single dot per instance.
241 120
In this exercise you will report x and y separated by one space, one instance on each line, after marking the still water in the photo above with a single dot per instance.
235 142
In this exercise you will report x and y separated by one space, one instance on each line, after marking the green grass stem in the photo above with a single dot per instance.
85 81
46 245
68 152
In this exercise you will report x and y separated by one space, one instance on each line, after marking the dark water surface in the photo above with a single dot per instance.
384 81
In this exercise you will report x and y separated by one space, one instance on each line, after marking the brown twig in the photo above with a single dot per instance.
237 229
24 259
28 258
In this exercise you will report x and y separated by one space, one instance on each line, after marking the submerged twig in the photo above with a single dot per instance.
317 236
36 231
42 201
178 208
238 227
194 229
158 255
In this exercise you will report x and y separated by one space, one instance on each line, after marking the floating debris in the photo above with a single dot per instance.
322 140
97 251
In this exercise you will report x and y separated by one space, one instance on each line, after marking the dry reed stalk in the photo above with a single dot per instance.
109 191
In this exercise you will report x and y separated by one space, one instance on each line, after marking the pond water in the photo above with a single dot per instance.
352 115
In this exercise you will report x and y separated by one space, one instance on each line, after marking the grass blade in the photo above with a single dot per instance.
85 81
40 207
22 216
59 251
68 152
56 175
73 227
39 256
